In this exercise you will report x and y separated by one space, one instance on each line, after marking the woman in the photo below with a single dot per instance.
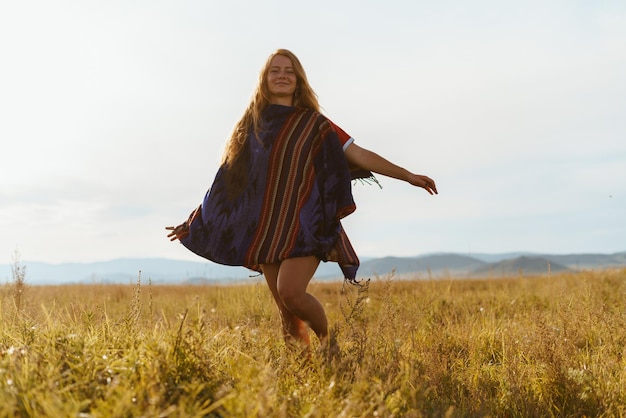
284 184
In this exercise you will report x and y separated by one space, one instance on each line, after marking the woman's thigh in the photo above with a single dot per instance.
270 272
296 273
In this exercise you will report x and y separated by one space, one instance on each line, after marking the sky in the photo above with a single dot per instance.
114 116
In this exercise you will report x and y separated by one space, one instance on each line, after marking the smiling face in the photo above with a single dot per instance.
281 81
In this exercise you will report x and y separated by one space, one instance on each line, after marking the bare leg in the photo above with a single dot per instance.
294 328
288 282
294 276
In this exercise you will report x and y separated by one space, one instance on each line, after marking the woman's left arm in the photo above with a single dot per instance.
371 161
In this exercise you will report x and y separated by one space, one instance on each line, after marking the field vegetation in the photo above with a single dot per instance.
515 347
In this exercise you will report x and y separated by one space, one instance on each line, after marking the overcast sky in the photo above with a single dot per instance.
114 115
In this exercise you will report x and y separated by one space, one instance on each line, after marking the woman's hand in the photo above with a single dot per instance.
424 182
181 231
178 232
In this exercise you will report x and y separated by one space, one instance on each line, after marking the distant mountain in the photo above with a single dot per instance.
523 265
441 265
158 270
585 261
494 258
436 264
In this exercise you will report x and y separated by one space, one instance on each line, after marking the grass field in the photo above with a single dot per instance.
521 347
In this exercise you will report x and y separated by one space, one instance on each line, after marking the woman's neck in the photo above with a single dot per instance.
283 101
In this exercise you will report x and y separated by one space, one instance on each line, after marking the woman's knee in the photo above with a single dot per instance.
293 278
291 296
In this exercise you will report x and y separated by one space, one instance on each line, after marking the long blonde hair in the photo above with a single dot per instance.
304 96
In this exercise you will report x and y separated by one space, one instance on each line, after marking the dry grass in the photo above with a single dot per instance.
551 346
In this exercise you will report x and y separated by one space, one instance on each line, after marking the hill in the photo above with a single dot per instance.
441 265
523 265
158 270
428 265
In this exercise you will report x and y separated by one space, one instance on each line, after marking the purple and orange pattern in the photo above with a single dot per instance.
295 190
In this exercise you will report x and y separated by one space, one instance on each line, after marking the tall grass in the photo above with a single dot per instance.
18 284
551 346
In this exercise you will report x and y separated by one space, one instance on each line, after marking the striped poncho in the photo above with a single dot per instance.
283 197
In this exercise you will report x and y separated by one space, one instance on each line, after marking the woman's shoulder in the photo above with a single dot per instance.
312 113
322 121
